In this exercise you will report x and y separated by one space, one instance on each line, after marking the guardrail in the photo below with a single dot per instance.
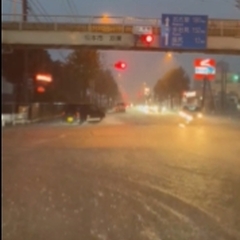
216 27
37 112
14 118
55 19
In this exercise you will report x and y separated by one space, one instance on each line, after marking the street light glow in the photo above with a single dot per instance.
105 18
235 77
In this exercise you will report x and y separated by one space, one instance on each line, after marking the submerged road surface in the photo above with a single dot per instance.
132 176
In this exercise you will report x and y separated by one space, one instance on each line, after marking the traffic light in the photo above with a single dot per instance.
235 78
42 82
147 39
40 89
120 65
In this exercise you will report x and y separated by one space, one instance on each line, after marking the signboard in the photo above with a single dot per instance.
101 38
183 31
190 94
44 78
142 30
98 39
102 28
204 69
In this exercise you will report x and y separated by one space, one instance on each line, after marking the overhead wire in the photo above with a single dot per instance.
42 11
74 6
69 3
17 1
40 8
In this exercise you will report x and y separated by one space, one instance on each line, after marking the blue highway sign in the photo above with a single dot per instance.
183 31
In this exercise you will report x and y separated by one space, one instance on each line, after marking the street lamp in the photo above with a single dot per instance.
105 18
169 55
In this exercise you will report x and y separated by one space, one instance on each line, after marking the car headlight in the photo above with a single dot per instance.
189 118
186 116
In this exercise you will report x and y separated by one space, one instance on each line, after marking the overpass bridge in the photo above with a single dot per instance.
223 36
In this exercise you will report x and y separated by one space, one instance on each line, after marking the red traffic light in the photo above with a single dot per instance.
40 89
147 39
120 65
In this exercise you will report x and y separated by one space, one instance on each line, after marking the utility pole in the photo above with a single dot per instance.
25 74
24 10
204 86
223 66
222 86
14 11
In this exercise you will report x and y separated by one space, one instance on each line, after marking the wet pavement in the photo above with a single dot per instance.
132 176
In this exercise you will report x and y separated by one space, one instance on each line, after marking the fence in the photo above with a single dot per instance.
216 27
12 114
43 111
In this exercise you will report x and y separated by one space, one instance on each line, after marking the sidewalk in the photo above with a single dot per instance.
13 123
226 115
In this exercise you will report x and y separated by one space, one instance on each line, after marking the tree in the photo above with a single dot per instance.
60 81
172 84
238 4
82 67
106 85
71 79
13 67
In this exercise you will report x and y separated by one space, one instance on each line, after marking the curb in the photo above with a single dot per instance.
12 124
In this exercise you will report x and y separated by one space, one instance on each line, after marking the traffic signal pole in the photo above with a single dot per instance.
224 71
24 10
204 93
25 74
207 84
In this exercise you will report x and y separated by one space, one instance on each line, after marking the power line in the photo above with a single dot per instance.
74 6
41 9
71 9
14 1
33 13
70 6
17 1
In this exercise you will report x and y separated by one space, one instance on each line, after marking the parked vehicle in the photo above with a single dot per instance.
190 114
120 107
82 112
71 113
90 111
